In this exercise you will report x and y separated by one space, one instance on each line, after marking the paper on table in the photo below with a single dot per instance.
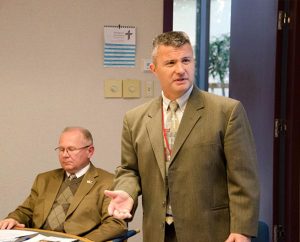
43 238
12 234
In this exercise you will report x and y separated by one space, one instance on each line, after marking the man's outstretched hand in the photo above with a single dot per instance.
233 237
120 205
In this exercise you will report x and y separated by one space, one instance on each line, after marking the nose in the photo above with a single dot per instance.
65 153
179 68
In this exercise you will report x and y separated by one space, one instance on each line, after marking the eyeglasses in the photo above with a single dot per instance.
70 149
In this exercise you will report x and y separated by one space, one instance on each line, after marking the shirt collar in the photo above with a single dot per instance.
80 172
181 100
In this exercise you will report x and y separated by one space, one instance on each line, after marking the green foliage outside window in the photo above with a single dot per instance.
219 59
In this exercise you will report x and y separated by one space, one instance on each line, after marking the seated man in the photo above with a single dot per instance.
70 199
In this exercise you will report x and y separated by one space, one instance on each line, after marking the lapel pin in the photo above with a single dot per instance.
89 181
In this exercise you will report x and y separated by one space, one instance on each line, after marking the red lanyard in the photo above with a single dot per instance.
164 132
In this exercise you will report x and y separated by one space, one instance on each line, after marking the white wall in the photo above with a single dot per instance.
52 76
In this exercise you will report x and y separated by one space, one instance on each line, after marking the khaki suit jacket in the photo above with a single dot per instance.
87 215
212 179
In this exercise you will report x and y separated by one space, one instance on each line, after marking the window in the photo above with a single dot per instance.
207 22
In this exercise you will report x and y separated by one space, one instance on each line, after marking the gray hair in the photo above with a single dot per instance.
86 133
173 38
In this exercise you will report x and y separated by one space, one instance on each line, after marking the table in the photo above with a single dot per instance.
57 234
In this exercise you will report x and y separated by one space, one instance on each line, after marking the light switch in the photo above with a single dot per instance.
131 88
113 88
149 88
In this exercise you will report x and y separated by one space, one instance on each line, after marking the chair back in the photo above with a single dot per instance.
127 235
262 233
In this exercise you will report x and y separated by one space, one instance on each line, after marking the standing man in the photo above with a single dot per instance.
70 199
198 181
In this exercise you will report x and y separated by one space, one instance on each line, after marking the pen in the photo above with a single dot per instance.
23 238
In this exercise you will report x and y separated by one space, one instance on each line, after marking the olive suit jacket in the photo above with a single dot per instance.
87 215
212 178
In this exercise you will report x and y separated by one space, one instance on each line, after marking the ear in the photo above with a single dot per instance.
152 67
91 151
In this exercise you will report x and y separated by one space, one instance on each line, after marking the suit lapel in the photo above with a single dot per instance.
51 193
154 128
192 113
88 181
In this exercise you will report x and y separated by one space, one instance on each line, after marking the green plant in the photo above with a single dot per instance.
219 59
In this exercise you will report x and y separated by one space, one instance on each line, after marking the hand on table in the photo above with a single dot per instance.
10 223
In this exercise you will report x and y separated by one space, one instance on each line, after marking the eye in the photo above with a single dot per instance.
71 148
170 63
186 61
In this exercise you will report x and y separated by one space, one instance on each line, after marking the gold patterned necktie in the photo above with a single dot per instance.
172 123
